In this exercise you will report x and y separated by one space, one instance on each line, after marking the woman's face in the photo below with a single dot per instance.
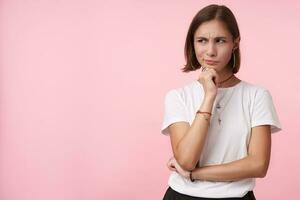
213 42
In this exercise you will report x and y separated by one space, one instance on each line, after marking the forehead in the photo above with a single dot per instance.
211 29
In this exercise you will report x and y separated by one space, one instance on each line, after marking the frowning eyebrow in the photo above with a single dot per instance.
219 37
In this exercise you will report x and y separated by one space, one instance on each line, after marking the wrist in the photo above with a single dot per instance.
200 174
207 104
209 98
191 176
206 115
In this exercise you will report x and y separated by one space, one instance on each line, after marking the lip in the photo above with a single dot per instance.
211 62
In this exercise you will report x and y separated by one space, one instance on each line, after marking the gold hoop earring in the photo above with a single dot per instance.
233 66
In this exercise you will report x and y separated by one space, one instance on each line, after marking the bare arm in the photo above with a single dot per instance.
188 141
254 165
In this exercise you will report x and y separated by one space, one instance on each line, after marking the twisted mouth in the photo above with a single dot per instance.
211 61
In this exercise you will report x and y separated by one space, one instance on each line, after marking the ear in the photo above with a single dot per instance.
236 43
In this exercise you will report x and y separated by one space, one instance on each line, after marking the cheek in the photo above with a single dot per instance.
199 52
225 55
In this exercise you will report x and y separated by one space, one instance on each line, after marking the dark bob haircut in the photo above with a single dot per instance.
210 12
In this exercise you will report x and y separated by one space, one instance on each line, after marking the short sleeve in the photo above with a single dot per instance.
264 112
174 110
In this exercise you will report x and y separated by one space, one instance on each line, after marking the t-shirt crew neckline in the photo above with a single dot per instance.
227 88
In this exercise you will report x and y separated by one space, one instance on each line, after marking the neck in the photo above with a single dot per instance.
223 76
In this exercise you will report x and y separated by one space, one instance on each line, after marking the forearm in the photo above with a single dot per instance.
190 146
233 171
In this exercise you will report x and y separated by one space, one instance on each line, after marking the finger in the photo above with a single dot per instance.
214 73
171 167
171 159
205 68
169 164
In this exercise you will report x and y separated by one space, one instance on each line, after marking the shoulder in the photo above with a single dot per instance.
185 91
255 89
257 94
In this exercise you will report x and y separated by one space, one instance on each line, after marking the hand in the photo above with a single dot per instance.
208 78
174 166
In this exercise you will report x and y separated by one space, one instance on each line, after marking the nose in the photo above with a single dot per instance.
211 50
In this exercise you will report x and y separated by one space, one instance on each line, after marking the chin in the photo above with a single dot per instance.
215 67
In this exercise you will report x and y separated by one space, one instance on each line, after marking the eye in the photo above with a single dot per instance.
201 40
221 41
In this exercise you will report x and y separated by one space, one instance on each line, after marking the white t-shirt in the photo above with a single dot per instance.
246 106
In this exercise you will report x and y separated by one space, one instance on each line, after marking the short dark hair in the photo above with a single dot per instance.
210 12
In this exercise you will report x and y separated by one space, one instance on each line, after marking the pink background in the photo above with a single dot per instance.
82 88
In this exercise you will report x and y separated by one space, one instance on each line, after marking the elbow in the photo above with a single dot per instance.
262 173
187 165
182 163
186 161
261 170
259 167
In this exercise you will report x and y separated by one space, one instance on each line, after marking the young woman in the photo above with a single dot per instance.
219 125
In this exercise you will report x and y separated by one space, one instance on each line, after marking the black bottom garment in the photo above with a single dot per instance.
174 195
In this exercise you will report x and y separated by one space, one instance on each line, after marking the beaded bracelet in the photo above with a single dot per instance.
203 112
191 178
199 112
